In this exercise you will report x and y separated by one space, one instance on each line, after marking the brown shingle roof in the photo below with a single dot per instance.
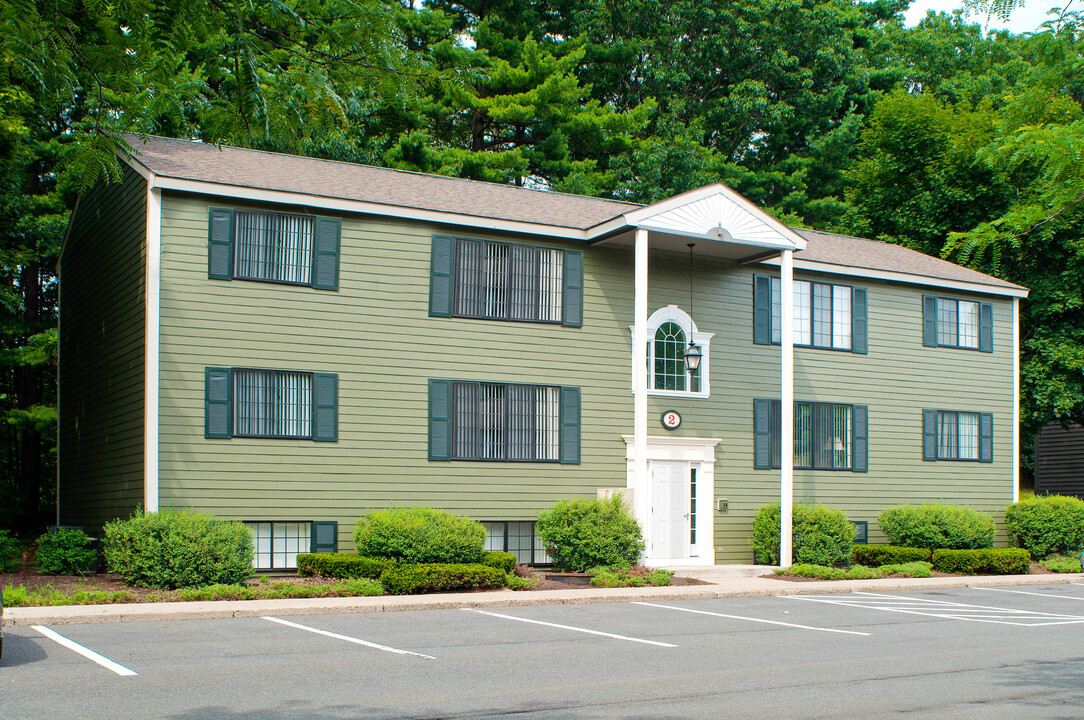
226 165
876 255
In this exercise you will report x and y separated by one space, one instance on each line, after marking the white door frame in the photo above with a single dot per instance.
700 454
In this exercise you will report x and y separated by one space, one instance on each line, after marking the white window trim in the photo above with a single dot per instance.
672 313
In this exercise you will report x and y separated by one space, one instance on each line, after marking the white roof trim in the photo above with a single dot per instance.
901 277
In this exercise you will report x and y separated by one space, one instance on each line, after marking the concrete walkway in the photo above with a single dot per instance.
726 583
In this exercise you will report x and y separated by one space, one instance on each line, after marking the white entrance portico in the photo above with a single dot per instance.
724 226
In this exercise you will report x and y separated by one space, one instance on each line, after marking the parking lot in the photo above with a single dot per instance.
967 653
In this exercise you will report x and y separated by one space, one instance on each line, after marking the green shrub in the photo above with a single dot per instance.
857 572
434 577
515 582
918 569
419 535
937 526
877 555
580 533
659 577
66 552
618 578
342 565
1062 564
1047 524
504 560
994 561
172 549
11 551
820 535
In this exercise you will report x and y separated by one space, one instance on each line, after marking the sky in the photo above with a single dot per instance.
1024 19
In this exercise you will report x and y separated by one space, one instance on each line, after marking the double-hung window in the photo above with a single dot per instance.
503 422
827 436
954 323
956 435
277 404
488 280
284 248
825 315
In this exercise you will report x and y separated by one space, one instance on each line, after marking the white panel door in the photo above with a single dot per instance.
669 509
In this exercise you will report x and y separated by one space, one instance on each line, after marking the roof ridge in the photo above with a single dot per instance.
417 173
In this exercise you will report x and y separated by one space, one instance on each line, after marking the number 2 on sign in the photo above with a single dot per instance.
671 419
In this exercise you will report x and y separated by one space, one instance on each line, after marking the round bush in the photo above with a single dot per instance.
172 549
937 526
1048 524
420 535
820 535
66 552
581 534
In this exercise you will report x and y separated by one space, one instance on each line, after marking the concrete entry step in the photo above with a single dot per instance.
713 572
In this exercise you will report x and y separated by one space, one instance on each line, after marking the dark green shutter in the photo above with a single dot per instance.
441 277
440 414
762 310
325 537
858 321
986 437
573 289
570 425
325 259
217 390
929 434
762 435
861 439
325 407
986 327
220 244
929 321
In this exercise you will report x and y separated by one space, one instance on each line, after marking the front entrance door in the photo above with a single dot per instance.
669 509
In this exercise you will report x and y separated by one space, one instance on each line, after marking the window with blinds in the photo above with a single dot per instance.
822 314
273 247
502 281
957 323
272 404
505 422
823 435
957 435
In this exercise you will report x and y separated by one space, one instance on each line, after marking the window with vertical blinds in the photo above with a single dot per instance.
823 435
273 247
822 314
957 435
272 403
503 281
505 422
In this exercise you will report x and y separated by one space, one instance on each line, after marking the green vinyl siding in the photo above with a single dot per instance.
376 333
102 332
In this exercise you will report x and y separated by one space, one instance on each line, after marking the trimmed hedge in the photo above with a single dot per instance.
66 552
419 535
342 565
877 555
172 549
994 561
820 535
581 533
937 526
506 561
1048 524
434 577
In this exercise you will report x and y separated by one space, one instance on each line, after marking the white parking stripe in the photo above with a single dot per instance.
347 638
759 620
570 627
945 609
1021 592
88 654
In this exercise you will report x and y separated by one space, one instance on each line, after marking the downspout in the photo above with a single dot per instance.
152 284
639 382
786 434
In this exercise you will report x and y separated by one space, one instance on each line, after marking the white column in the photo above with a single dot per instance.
1016 399
786 435
150 368
641 498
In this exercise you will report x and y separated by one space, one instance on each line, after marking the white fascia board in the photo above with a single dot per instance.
901 277
368 208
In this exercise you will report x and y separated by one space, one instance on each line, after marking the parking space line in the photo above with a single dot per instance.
1022 592
85 652
570 627
750 619
946 610
347 638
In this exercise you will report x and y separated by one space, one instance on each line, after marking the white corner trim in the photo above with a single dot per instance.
150 340
900 277
1016 399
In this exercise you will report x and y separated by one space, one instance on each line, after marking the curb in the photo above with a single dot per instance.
725 588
